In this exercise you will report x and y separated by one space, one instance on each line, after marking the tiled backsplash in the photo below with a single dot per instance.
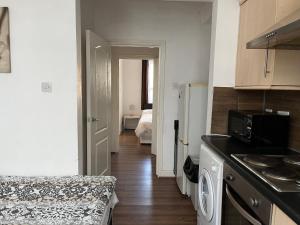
229 98
287 101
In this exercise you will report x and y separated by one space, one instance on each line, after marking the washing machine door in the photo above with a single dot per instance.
206 195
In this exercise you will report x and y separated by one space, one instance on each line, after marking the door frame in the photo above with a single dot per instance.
161 45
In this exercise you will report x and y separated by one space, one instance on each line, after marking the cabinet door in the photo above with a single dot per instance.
286 68
256 16
263 17
286 7
242 68
280 218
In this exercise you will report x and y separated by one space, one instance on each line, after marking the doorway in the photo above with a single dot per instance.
129 50
140 190
130 115
136 91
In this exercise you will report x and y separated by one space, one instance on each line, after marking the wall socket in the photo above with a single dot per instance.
46 87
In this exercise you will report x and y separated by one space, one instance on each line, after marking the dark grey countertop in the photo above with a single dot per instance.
225 146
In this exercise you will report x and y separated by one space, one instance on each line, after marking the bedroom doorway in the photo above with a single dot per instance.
136 87
138 70
153 51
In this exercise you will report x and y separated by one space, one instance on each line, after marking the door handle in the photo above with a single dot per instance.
95 119
183 142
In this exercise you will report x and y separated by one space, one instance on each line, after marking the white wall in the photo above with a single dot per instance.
155 109
186 29
38 131
131 73
225 24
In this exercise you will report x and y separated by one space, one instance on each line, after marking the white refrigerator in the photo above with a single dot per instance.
192 125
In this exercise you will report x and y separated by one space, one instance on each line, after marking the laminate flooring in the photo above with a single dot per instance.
144 198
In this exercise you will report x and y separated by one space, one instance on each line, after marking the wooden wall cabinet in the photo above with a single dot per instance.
286 7
255 69
280 218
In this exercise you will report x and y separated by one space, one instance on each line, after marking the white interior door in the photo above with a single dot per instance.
98 80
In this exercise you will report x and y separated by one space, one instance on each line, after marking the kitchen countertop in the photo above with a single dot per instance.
55 200
225 146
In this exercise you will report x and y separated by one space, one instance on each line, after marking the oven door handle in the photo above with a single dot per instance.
240 209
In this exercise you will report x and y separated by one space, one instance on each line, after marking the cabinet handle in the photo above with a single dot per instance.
269 37
267 58
266 63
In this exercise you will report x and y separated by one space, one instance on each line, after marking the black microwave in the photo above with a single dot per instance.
260 129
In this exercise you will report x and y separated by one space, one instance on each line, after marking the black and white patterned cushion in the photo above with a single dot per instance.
54 200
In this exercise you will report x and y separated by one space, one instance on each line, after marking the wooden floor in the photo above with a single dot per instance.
145 199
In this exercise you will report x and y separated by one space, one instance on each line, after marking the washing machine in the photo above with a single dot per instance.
210 187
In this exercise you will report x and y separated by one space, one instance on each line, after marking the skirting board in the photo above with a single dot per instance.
166 173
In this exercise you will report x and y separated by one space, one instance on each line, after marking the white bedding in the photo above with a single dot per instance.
145 124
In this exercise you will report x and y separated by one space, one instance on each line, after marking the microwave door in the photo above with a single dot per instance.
246 215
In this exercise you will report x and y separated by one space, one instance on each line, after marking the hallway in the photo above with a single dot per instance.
145 199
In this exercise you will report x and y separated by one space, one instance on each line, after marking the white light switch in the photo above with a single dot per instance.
47 87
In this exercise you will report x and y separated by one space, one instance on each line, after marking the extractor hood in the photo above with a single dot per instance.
283 35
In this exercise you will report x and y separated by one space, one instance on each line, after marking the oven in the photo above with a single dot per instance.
242 203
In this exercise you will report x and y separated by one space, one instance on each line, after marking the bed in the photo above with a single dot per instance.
57 200
144 127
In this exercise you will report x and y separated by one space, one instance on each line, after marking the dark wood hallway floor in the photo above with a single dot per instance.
144 198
